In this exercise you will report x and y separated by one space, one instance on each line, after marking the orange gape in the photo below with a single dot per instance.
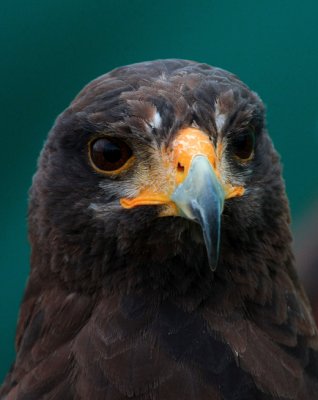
177 159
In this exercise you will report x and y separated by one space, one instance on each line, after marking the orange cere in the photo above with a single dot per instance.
176 162
190 142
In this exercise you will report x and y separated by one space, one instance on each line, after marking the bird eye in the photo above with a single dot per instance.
243 144
109 154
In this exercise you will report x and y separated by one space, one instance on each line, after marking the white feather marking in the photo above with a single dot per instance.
194 125
156 120
219 117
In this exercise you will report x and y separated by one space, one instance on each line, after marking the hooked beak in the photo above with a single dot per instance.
197 191
201 198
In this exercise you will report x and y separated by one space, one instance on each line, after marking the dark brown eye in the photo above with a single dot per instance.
242 144
109 155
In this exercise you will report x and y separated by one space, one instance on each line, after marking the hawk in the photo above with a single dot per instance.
161 264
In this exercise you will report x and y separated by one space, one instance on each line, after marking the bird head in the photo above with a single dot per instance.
158 169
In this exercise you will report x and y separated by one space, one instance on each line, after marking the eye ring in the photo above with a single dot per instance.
109 155
243 145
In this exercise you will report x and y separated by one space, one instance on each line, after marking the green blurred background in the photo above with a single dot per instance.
50 49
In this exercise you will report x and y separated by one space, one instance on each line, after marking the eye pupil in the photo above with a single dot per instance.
243 145
111 152
108 154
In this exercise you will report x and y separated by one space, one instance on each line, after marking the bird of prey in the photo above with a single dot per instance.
161 264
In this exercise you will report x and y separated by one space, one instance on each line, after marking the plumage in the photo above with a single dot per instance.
122 302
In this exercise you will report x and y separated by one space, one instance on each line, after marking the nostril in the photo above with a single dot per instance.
180 167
